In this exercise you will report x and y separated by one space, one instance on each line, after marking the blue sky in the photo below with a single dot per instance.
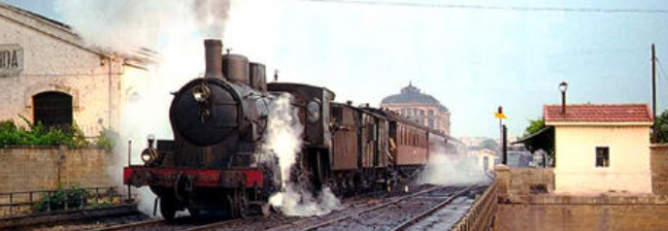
471 60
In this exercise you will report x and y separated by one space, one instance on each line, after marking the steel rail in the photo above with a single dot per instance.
431 211
215 225
374 208
135 225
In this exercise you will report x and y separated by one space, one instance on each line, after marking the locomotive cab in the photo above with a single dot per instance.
313 104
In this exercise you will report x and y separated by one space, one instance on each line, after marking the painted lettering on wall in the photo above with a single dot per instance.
11 59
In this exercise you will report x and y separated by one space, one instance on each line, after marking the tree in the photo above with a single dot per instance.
490 144
662 127
534 126
544 142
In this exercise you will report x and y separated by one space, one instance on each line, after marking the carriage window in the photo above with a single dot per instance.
369 132
53 109
406 137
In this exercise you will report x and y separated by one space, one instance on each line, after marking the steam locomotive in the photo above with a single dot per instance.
216 161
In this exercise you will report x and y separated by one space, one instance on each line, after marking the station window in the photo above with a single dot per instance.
431 112
602 157
53 109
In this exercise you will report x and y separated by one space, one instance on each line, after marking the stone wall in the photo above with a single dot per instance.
565 213
520 208
659 165
524 180
27 169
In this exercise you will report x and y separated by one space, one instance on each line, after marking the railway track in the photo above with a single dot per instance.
408 223
397 211
184 224
135 225
389 212
271 222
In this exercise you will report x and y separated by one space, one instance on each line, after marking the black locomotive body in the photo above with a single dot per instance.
216 159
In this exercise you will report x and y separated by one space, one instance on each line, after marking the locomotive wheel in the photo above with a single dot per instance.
232 207
167 208
238 205
242 205
388 186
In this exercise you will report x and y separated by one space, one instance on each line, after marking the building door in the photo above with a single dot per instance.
485 164
53 109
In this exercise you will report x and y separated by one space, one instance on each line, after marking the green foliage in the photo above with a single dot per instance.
489 144
40 135
77 137
107 139
74 197
534 126
662 127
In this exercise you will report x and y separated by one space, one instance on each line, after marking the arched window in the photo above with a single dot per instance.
53 109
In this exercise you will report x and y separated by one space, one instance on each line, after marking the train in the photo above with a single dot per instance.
215 160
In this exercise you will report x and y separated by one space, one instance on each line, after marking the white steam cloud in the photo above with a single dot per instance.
451 169
211 16
284 139
126 25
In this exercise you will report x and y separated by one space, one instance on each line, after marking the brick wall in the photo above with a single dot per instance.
26 169
659 165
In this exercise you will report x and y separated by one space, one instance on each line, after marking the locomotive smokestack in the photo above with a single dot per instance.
213 54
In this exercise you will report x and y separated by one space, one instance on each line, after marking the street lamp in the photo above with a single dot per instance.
563 86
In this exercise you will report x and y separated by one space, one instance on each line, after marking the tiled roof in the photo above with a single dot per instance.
598 113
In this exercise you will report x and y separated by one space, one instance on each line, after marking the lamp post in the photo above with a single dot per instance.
563 86
502 128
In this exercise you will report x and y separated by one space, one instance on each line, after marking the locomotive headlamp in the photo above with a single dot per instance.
201 93
313 109
145 156
149 156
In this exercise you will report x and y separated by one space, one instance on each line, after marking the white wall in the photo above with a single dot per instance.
629 168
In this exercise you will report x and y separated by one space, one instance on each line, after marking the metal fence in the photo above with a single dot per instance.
14 204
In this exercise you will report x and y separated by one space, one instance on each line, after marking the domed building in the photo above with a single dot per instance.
423 108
